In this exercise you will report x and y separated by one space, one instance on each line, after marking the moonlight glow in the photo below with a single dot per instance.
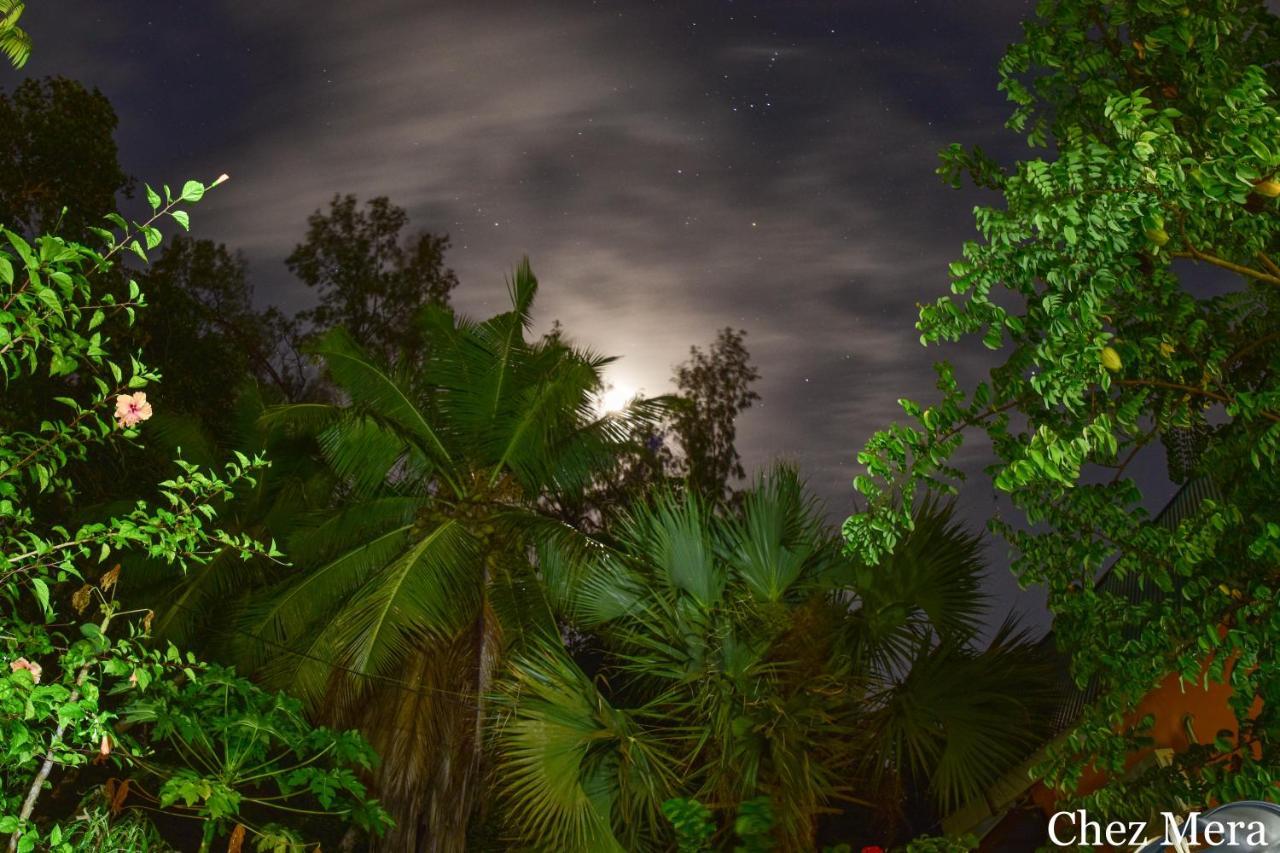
616 397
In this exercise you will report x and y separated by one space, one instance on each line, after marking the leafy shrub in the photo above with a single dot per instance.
81 685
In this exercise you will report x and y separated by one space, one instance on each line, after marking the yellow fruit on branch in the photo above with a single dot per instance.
1269 188
1158 236
1111 359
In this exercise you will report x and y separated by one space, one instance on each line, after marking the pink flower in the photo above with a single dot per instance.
131 409
104 748
23 663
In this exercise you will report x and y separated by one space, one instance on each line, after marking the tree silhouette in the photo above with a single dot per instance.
372 281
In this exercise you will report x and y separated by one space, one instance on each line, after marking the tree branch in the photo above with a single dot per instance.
1269 264
29 804
1191 389
1195 254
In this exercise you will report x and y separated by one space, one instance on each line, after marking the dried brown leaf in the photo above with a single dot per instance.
80 598
110 578
122 793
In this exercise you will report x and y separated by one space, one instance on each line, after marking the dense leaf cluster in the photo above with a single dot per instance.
1128 276
81 684
745 662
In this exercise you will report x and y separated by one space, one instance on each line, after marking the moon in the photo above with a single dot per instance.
615 398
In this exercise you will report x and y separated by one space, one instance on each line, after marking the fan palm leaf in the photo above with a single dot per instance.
765 663
567 757
961 717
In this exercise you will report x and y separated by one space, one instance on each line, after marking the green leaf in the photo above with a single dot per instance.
192 191
42 594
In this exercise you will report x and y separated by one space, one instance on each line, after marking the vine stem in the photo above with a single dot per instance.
29 804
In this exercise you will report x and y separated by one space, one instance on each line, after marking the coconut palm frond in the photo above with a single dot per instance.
429 591
290 612
299 418
15 43
322 536
374 389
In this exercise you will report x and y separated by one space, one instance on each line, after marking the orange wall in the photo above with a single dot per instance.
1169 703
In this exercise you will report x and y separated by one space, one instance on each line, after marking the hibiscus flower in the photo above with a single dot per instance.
23 663
131 409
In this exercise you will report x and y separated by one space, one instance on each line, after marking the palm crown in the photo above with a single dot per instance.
420 577
745 656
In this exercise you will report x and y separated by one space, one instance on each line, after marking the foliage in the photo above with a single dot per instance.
14 41
753 825
71 690
204 328
743 657
694 828
246 749
1128 275
98 826
61 168
371 281
692 823
713 388
419 577
941 844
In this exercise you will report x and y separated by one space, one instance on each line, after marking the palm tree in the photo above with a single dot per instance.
419 579
744 655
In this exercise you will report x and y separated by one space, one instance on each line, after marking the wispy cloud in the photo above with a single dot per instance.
670 169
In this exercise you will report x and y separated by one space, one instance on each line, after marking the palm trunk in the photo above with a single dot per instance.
426 740
488 649
431 741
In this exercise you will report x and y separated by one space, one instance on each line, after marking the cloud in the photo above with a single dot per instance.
654 211
669 169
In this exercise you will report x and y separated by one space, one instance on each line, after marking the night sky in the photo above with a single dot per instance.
669 168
